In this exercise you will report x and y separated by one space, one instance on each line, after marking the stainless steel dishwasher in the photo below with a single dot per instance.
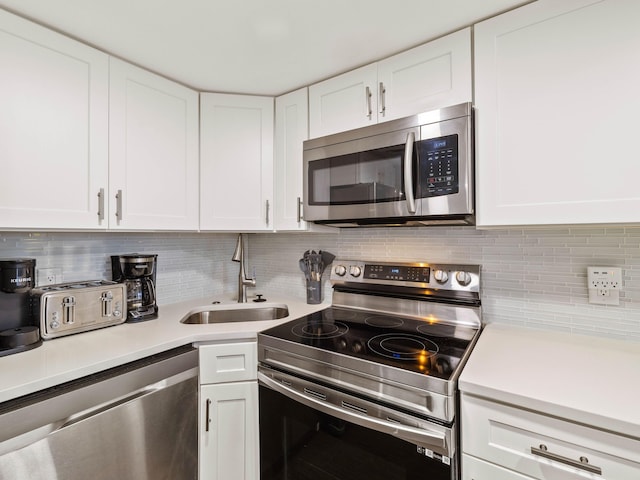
137 421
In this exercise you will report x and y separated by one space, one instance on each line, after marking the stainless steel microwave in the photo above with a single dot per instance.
417 170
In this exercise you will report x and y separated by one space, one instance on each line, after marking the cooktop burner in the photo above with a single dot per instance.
405 343
317 330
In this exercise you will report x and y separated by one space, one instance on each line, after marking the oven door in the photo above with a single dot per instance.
311 432
370 177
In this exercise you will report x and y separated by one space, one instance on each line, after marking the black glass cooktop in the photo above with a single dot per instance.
421 346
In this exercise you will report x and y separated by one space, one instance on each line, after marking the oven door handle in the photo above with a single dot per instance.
425 438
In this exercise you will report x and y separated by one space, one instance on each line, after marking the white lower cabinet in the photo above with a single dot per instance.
476 469
501 442
228 442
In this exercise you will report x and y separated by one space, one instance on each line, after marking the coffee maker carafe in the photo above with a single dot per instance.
138 272
18 329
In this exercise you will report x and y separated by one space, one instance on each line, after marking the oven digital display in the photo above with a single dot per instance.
397 272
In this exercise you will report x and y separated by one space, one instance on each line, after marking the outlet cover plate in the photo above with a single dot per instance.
604 285
48 276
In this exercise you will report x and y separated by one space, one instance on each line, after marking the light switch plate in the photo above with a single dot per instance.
604 284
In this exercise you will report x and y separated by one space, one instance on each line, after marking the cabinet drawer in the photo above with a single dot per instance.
228 362
543 447
476 469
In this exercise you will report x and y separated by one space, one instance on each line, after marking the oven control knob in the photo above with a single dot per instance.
340 270
463 278
441 276
355 271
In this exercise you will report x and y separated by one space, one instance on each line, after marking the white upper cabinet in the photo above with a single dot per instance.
53 129
292 129
344 102
433 75
556 96
236 162
153 151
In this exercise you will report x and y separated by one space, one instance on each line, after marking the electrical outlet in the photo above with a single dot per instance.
48 276
604 284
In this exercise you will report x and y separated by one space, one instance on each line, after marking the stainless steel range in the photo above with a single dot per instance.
367 388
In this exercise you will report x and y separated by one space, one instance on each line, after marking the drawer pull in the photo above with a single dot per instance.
582 464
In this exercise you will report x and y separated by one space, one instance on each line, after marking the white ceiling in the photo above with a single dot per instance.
265 47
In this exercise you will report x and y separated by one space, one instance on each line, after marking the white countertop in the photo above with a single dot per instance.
584 379
68 358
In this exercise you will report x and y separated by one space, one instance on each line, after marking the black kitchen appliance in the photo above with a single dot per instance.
18 328
138 272
367 388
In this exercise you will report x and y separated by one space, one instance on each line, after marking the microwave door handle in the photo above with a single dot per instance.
408 172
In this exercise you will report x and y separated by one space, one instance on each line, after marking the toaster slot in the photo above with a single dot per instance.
69 309
107 301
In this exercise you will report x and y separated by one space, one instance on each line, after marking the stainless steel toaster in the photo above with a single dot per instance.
68 308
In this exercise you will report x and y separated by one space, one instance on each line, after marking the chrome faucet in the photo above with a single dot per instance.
243 281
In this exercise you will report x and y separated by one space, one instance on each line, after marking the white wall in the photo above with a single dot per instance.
531 277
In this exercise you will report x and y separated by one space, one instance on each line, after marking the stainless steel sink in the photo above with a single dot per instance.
221 314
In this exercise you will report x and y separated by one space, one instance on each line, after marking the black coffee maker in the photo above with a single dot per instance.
19 330
138 272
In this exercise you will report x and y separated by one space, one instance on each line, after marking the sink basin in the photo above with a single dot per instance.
226 314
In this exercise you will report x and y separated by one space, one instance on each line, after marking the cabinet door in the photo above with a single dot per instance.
228 362
292 128
543 447
53 128
475 469
236 162
556 109
229 439
344 102
434 75
153 151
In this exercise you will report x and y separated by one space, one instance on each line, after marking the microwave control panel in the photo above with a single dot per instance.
438 166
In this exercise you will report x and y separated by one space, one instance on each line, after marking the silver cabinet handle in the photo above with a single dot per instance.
119 205
267 212
101 205
381 95
299 216
207 419
408 172
410 434
367 94
582 463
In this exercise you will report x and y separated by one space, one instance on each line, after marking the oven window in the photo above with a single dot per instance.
373 176
299 443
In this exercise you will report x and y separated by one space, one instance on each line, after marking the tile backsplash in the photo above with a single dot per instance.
530 277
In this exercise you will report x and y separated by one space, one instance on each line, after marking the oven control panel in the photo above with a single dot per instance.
457 277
